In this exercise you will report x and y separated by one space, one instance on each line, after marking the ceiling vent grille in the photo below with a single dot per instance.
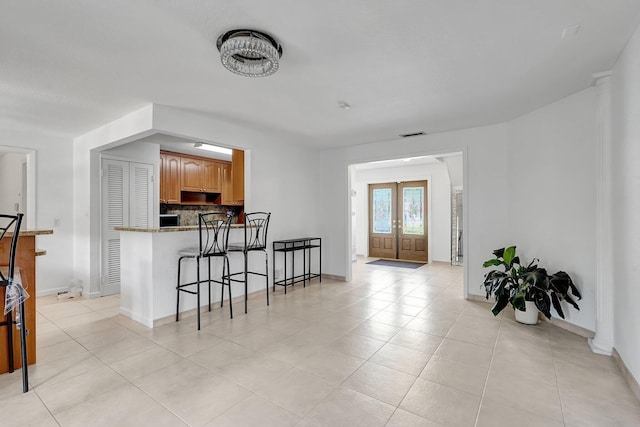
409 135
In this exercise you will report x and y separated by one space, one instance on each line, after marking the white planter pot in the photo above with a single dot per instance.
530 315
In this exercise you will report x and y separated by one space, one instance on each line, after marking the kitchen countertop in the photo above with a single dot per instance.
168 229
31 232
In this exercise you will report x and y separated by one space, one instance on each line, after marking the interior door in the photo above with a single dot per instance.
412 223
115 213
382 220
398 221
140 195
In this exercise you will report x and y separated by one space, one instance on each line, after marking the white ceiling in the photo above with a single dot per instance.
67 67
181 145
394 163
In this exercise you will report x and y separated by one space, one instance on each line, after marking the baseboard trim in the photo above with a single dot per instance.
560 323
334 277
92 295
478 298
47 292
626 373
142 320
563 324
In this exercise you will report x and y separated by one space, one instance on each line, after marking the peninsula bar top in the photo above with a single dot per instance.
168 229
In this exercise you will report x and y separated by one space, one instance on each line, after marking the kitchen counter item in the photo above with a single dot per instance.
169 220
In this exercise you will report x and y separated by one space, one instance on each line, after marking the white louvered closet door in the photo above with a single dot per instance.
140 195
127 201
115 213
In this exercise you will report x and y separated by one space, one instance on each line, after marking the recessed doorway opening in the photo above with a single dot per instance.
432 210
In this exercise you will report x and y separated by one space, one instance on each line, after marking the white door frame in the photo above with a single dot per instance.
30 213
465 214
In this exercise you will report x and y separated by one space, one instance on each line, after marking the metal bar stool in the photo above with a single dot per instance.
214 240
7 223
256 225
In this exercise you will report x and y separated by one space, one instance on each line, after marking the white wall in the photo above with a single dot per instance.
485 150
625 98
454 165
54 201
552 190
86 190
439 208
11 182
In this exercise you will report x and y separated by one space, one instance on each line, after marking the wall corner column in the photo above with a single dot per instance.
603 341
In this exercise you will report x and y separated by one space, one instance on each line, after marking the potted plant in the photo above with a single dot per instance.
527 287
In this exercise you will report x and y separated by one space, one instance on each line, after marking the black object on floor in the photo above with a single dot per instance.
392 263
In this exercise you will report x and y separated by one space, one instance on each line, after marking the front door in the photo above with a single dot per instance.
398 220
382 220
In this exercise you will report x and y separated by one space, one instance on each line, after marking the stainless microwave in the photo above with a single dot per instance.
169 220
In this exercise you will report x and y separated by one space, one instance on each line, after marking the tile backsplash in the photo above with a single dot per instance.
189 214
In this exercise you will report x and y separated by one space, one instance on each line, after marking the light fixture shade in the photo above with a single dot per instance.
249 53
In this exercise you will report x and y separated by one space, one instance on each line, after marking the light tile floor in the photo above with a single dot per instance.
395 347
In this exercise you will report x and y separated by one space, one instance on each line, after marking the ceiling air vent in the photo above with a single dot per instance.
409 135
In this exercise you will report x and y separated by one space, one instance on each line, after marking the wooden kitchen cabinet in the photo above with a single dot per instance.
169 178
211 176
200 175
191 174
237 175
227 186
193 180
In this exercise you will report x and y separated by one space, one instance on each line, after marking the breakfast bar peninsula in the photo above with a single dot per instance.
149 271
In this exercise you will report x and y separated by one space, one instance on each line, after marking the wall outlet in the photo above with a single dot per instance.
278 273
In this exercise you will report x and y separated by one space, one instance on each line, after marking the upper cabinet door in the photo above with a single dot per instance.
237 172
163 174
191 174
227 185
170 178
211 179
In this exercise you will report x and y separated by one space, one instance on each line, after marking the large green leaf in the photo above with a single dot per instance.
509 254
536 278
501 302
556 304
566 280
518 301
498 252
543 302
492 262
568 299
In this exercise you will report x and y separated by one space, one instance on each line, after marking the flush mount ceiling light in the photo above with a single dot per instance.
249 53
215 148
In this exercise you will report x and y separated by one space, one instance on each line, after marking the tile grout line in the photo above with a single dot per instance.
486 380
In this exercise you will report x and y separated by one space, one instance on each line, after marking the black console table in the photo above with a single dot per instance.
304 244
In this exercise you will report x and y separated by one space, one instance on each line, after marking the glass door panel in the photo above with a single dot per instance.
412 231
382 220
382 208
413 210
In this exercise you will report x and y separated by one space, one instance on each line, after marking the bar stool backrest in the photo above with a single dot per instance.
256 225
10 223
214 234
